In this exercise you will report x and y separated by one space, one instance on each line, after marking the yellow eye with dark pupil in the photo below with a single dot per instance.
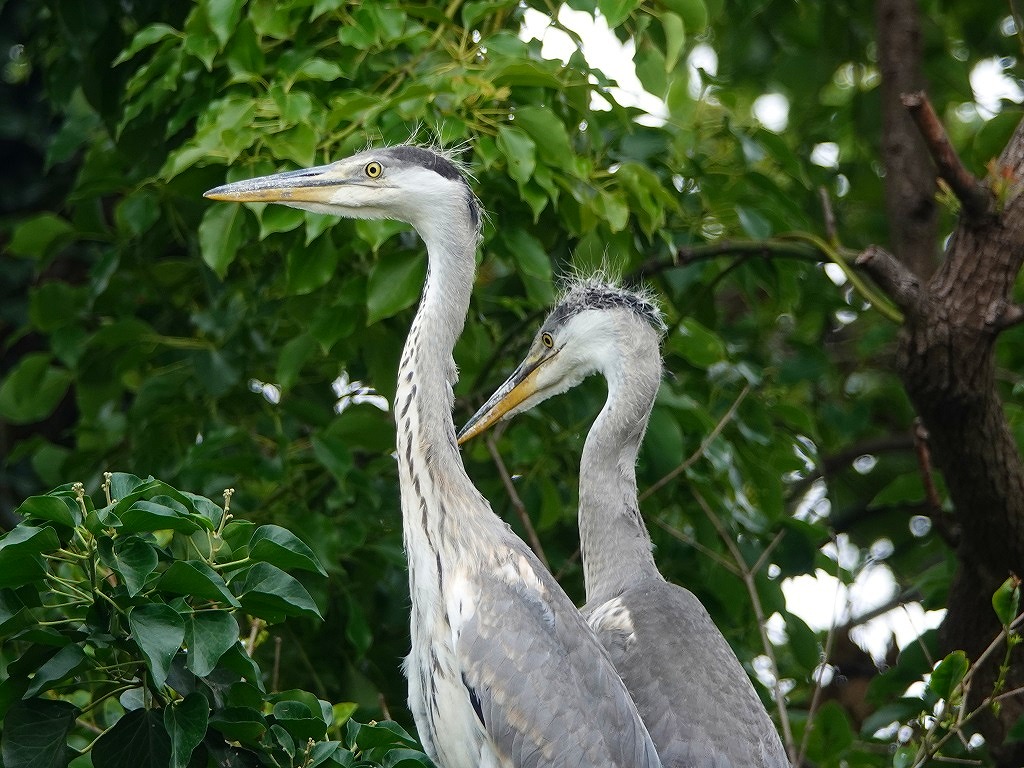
373 170
546 340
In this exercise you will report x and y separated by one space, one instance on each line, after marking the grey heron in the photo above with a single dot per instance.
503 671
692 692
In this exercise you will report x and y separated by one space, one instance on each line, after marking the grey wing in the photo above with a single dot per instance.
692 692
543 687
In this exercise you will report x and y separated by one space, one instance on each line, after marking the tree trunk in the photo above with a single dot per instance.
909 178
946 360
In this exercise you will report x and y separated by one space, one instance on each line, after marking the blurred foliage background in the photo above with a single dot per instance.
145 329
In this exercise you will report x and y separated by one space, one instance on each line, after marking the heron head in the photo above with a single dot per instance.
588 332
408 183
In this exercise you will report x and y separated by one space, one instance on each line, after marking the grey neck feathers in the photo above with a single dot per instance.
614 542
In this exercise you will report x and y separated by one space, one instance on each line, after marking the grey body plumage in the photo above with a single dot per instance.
692 692
503 670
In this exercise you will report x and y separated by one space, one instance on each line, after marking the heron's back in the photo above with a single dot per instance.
692 692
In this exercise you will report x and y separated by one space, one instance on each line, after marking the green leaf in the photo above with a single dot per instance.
132 557
279 218
279 546
55 509
32 389
754 223
904 756
396 281
300 721
223 16
311 267
675 38
208 636
693 13
196 578
242 724
14 614
519 151
139 738
271 594
150 516
20 554
292 357
948 674
144 38
35 734
68 660
1006 601
40 236
617 11
832 732
697 344
185 722
158 630
220 235
533 265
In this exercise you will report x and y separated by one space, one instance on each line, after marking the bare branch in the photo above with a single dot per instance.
692 254
517 503
899 283
692 459
1002 314
976 197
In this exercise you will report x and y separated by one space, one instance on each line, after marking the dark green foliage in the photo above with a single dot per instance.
143 326
127 627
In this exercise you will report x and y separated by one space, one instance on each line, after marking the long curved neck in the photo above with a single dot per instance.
614 542
430 467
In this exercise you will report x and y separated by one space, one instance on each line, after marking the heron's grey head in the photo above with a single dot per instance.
409 183
591 329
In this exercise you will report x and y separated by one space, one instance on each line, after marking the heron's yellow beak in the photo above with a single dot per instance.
312 185
519 386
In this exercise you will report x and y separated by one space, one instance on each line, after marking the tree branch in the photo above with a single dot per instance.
517 503
976 197
899 283
691 254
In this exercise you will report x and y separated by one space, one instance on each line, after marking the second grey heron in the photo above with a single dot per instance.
503 670
691 690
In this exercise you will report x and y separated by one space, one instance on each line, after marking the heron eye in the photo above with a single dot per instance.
546 340
373 170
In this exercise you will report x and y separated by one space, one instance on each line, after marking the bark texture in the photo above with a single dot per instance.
909 179
946 362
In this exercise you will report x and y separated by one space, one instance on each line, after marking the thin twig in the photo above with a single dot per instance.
517 503
383 704
977 199
672 531
924 461
692 458
254 631
818 686
829 216
755 599
276 674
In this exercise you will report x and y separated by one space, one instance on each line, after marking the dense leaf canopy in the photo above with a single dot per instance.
148 330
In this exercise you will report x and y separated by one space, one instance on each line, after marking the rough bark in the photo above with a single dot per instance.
946 361
909 179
